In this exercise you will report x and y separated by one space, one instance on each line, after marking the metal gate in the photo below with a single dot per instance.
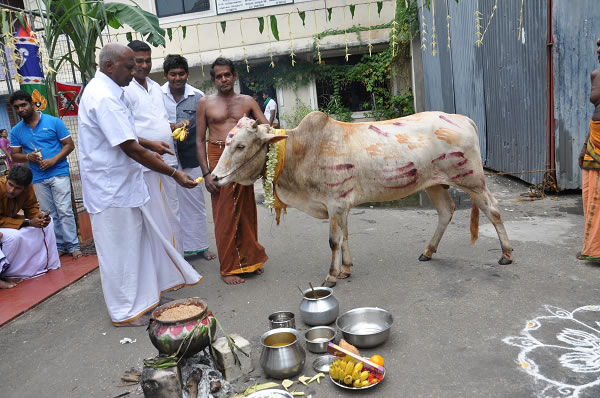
500 84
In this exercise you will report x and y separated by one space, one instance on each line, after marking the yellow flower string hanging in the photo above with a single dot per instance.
292 54
478 26
199 52
423 27
521 20
433 34
448 23
317 41
244 48
480 41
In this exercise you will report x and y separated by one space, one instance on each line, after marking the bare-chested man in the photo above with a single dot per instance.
589 161
234 207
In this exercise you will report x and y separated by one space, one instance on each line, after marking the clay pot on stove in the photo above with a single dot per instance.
167 336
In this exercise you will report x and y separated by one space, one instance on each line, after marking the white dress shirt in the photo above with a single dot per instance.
150 115
109 177
170 103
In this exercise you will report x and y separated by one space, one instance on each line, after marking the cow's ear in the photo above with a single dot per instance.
272 138
254 124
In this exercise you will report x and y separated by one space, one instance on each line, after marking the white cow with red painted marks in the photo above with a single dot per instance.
332 166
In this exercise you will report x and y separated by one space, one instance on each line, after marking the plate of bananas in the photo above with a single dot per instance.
351 375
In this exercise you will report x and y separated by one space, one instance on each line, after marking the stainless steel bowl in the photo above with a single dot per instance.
318 338
271 393
282 319
365 327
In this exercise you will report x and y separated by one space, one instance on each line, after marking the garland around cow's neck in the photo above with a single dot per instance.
273 167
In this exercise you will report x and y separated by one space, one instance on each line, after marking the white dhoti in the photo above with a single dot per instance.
163 206
29 251
192 214
137 263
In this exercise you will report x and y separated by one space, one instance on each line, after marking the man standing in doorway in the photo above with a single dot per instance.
234 206
45 142
589 161
270 109
180 100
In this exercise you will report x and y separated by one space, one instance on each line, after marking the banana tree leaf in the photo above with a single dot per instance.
302 15
223 25
261 24
352 8
274 28
379 7
141 21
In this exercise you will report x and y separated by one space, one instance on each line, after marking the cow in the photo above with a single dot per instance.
332 166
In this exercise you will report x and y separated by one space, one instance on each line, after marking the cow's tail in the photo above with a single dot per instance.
474 223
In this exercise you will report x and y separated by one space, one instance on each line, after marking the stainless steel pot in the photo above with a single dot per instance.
319 311
282 319
282 355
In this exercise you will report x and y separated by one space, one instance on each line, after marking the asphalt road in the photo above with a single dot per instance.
464 326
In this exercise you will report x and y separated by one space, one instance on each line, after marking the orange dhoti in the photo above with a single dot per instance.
236 224
591 196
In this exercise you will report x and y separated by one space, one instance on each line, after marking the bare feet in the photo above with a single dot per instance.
208 255
77 254
259 271
233 279
6 285
141 321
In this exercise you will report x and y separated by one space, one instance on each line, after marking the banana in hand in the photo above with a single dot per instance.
199 180
181 133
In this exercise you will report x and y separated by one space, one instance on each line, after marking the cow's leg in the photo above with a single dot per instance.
336 237
489 205
346 257
443 203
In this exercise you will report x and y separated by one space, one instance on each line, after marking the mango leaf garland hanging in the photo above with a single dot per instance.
261 24
329 10
352 8
129 37
479 42
370 46
274 29
223 25
170 34
302 15
184 30
272 63
379 7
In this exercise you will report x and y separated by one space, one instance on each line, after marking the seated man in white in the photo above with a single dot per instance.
28 242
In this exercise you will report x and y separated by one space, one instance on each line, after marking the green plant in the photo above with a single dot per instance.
295 116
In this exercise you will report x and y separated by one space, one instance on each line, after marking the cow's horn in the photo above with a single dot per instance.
254 124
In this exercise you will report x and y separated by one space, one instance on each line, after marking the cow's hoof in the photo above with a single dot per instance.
343 275
504 261
328 284
423 257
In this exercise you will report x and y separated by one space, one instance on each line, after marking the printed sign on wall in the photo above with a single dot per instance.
227 6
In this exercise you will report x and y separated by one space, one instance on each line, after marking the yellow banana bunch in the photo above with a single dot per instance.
199 180
181 133
349 373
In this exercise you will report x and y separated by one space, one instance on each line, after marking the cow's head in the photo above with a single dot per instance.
246 147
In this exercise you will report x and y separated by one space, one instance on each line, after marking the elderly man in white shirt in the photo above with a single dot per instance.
151 123
180 101
137 263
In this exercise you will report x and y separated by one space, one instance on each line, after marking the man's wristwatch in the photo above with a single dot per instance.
26 223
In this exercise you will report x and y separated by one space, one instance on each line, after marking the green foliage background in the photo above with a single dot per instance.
373 71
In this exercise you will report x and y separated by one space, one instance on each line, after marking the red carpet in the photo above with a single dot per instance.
31 292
